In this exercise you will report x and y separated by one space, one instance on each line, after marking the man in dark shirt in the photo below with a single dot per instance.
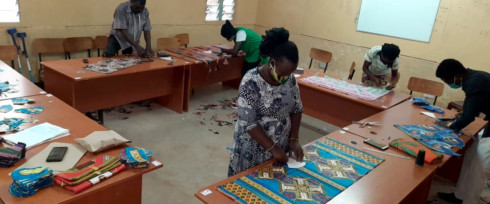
472 186
131 18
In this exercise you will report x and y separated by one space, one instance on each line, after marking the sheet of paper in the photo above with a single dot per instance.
37 135
432 115
207 52
292 163
297 75
74 153
166 58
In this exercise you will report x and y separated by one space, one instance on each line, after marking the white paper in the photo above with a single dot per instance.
432 115
37 135
206 192
297 75
293 164
207 52
166 58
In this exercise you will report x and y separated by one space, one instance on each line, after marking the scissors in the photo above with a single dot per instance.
364 124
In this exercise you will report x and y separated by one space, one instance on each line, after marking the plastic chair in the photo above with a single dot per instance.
168 43
320 55
183 39
426 86
8 53
78 44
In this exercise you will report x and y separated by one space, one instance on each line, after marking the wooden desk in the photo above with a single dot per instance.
405 182
407 113
24 86
341 109
198 74
91 91
124 187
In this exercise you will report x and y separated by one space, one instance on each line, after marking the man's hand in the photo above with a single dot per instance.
150 52
140 51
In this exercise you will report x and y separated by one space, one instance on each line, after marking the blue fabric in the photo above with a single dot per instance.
5 108
330 168
435 137
29 180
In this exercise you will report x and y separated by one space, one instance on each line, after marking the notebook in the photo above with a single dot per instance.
37 135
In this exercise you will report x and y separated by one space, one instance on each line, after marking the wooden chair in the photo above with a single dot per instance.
78 44
100 43
352 71
183 39
47 46
168 43
426 86
8 53
320 55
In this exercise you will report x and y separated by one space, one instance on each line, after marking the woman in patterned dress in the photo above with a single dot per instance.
380 62
269 107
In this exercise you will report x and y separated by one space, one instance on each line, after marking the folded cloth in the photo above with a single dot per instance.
93 181
29 180
136 157
419 101
412 148
75 176
11 155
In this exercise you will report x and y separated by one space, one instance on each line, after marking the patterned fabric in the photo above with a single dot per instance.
136 157
412 148
22 101
13 124
377 66
267 106
5 87
11 155
207 54
368 81
356 90
29 180
330 168
113 65
435 137
30 110
5 108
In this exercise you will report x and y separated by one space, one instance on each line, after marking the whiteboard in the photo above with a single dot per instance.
409 19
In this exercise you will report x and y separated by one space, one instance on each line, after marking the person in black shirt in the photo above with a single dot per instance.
473 184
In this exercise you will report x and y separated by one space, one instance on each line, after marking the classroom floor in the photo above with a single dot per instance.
193 146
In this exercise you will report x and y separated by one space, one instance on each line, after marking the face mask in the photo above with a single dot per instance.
454 85
281 80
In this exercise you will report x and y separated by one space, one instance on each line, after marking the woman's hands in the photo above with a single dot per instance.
295 147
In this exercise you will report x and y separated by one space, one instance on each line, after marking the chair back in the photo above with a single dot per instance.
183 39
168 43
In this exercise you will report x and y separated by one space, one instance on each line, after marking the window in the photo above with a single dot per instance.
220 10
9 11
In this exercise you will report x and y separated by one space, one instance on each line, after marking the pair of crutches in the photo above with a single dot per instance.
22 35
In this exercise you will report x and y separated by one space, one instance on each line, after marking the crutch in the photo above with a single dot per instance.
12 32
23 36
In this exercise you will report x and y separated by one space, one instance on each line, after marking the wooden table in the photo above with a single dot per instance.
124 187
199 75
408 114
405 182
91 91
23 85
338 108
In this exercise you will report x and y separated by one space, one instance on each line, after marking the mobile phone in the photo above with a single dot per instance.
57 154
376 144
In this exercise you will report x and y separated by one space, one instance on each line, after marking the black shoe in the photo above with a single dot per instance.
449 197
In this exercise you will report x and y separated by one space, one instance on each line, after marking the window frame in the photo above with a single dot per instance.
220 12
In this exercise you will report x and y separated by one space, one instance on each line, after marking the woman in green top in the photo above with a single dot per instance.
245 40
